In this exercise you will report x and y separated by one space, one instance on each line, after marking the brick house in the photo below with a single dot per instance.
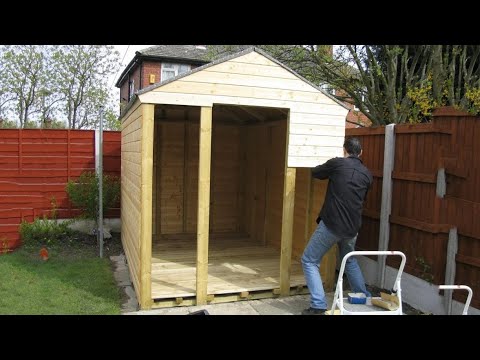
355 118
158 63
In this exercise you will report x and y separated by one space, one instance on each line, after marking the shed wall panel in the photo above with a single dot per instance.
131 160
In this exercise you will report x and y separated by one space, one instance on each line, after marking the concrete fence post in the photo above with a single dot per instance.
386 207
450 268
96 150
441 183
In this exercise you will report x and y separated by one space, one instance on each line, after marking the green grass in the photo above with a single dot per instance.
73 281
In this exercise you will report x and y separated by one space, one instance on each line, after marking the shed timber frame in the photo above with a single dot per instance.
276 118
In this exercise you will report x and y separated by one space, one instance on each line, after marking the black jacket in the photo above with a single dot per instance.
349 181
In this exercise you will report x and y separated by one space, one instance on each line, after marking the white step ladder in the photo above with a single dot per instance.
456 287
338 300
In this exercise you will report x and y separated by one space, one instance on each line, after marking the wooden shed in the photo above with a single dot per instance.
217 201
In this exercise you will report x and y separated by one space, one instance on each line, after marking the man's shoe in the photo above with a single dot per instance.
313 311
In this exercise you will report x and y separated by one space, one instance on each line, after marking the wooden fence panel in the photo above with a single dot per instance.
420 220
36 164
373 143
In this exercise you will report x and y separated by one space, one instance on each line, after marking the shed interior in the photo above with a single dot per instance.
246 198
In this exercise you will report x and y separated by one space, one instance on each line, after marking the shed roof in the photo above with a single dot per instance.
233 56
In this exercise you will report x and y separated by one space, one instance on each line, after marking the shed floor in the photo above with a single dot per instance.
235 265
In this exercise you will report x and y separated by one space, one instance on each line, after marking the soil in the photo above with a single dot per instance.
79 245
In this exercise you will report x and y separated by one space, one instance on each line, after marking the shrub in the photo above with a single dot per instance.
31 124
43 231
84 193
52 124
7 124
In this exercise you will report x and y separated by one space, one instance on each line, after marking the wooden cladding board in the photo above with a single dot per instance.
255 176
178 193
176 177
247 172
225 182
131 161
317 123
301 226
274 188
309 197
172 172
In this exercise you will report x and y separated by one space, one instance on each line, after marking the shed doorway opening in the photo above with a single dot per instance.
248 150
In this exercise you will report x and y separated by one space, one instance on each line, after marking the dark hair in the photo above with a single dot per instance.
352 146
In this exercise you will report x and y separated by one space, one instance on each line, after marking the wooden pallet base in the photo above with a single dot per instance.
224 298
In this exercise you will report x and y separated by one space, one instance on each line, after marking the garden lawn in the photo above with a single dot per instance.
74 280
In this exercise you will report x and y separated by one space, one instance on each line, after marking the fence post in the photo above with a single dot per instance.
69 165
97 149
441 183
386 207
20 142
450 268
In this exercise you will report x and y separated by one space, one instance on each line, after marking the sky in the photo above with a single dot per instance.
127 52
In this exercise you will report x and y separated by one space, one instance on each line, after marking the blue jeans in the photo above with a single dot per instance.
321 241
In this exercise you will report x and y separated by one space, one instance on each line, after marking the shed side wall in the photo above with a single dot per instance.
131 191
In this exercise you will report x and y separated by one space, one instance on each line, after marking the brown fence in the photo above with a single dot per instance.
420 220
35 166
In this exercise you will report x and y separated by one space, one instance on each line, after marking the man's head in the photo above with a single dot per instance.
352 147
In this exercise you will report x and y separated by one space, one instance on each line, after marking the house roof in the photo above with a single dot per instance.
185 52
233 56
192 54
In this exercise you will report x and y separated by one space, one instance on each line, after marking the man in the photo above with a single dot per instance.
338 222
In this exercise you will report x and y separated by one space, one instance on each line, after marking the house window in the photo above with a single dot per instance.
131 89
170 70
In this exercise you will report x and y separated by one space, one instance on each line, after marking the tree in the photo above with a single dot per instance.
388 83
24 75
405 83
5 96
50 84
303 59
49 104
82 72
111 120
88 114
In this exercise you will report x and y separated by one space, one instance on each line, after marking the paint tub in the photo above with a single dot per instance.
357 298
